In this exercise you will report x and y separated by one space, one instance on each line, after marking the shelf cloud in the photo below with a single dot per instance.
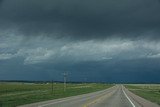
84 37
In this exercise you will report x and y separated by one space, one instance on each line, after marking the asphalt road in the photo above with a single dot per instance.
116 96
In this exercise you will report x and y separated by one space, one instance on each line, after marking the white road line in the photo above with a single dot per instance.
128 98
56 102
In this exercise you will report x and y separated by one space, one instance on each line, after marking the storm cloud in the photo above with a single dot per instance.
87 19
102 40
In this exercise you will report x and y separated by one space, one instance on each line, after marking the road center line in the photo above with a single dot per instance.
128 98
96 100
65 99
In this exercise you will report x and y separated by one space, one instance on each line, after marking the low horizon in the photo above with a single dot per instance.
61 81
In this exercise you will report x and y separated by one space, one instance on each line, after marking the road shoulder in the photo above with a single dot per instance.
143 102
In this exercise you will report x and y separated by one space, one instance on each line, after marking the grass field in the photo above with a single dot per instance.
13 94
148 91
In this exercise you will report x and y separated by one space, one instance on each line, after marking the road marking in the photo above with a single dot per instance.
128 98
51 103
57 102
72 97
65 99
98 99
92 102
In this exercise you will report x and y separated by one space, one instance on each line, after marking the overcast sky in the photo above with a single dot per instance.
93 40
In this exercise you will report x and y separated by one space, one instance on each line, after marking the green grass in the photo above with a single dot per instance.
15 94
148 91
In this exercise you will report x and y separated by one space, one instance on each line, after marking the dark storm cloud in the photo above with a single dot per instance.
1 1
134 71
93 39
81 18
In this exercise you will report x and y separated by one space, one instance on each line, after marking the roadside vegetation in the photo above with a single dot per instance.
14 94
148 91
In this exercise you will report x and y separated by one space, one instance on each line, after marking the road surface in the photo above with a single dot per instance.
117 96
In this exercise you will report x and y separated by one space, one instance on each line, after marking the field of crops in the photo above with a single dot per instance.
13 94
148 91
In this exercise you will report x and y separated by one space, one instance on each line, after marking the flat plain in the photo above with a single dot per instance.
14 94
150 92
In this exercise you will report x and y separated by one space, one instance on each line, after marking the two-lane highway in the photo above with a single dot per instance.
116 96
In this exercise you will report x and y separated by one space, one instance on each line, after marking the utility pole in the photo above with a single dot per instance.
85 80
65 80
52 86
